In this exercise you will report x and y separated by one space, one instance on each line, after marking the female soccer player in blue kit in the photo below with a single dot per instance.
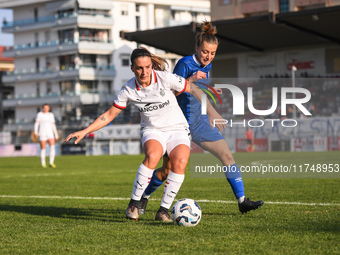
197 67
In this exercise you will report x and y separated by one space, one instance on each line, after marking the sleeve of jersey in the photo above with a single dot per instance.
36 124
177 83
121 100
53 118
181 69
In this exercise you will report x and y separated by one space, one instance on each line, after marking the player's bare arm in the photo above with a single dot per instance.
100 122
212 113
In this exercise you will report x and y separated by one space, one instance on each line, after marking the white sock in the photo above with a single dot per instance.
172 185
42 157
241 199
142 180
146 196
52 154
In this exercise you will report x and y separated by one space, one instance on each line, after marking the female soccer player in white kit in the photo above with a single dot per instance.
46 130
163 125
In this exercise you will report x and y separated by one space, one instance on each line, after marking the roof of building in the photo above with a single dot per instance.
2 59
253 34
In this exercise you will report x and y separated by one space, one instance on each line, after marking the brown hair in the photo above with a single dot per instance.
207 34
158 63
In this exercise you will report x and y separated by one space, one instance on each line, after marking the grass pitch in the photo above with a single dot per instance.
79 208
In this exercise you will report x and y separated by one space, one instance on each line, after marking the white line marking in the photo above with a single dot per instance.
264 161
60 174
153 199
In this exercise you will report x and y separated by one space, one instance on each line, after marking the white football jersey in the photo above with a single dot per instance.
45 120
157 102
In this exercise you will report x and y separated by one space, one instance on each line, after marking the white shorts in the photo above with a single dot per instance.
45 137
168 139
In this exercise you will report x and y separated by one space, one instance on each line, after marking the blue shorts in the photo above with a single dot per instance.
201 131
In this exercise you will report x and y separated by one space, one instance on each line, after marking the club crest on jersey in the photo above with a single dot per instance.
162 93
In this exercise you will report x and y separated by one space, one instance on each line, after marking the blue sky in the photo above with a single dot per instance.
6 39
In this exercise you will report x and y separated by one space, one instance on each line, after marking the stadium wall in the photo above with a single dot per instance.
310 60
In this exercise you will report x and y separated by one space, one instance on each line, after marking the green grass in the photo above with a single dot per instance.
59 223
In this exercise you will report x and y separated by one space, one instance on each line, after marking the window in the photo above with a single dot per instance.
35 14
36 38
137 22
125 62
194 16
47 36
137 7
124 10
37 65
225 2
284 5
125 59
88 86
38 89
66 87
48 88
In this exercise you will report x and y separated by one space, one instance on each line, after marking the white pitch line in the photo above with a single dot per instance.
153 199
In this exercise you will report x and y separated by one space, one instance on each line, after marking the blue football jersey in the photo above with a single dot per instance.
191 107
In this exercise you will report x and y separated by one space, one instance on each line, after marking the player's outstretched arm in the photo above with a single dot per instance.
36 127
212 113
100 122
55 131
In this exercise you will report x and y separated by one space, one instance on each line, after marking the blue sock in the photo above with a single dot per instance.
234 177
153 185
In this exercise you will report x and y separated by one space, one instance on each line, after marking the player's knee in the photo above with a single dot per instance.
229 158
179 163
152 158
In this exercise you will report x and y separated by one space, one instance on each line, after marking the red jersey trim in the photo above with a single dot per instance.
185 86
119 107
137 87
154 74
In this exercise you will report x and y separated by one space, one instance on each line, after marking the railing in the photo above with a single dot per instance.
57 69
56 43
53 17
55 94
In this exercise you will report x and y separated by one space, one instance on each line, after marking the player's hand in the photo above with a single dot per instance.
37 135
219 91
214 115
199 75
78 135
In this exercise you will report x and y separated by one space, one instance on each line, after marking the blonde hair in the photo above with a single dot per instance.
207 34
158 63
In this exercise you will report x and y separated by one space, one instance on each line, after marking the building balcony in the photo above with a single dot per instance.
81 72
82 19
254 6
82 45
57 98
301 3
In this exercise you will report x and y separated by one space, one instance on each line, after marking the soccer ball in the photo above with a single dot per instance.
186 212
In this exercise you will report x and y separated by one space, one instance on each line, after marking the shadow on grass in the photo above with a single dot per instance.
69 213
104 215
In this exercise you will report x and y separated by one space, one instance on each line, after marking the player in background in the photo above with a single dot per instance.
45 129
250 139
197 67
163 125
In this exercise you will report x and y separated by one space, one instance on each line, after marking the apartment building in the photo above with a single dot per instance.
228 9
69 54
